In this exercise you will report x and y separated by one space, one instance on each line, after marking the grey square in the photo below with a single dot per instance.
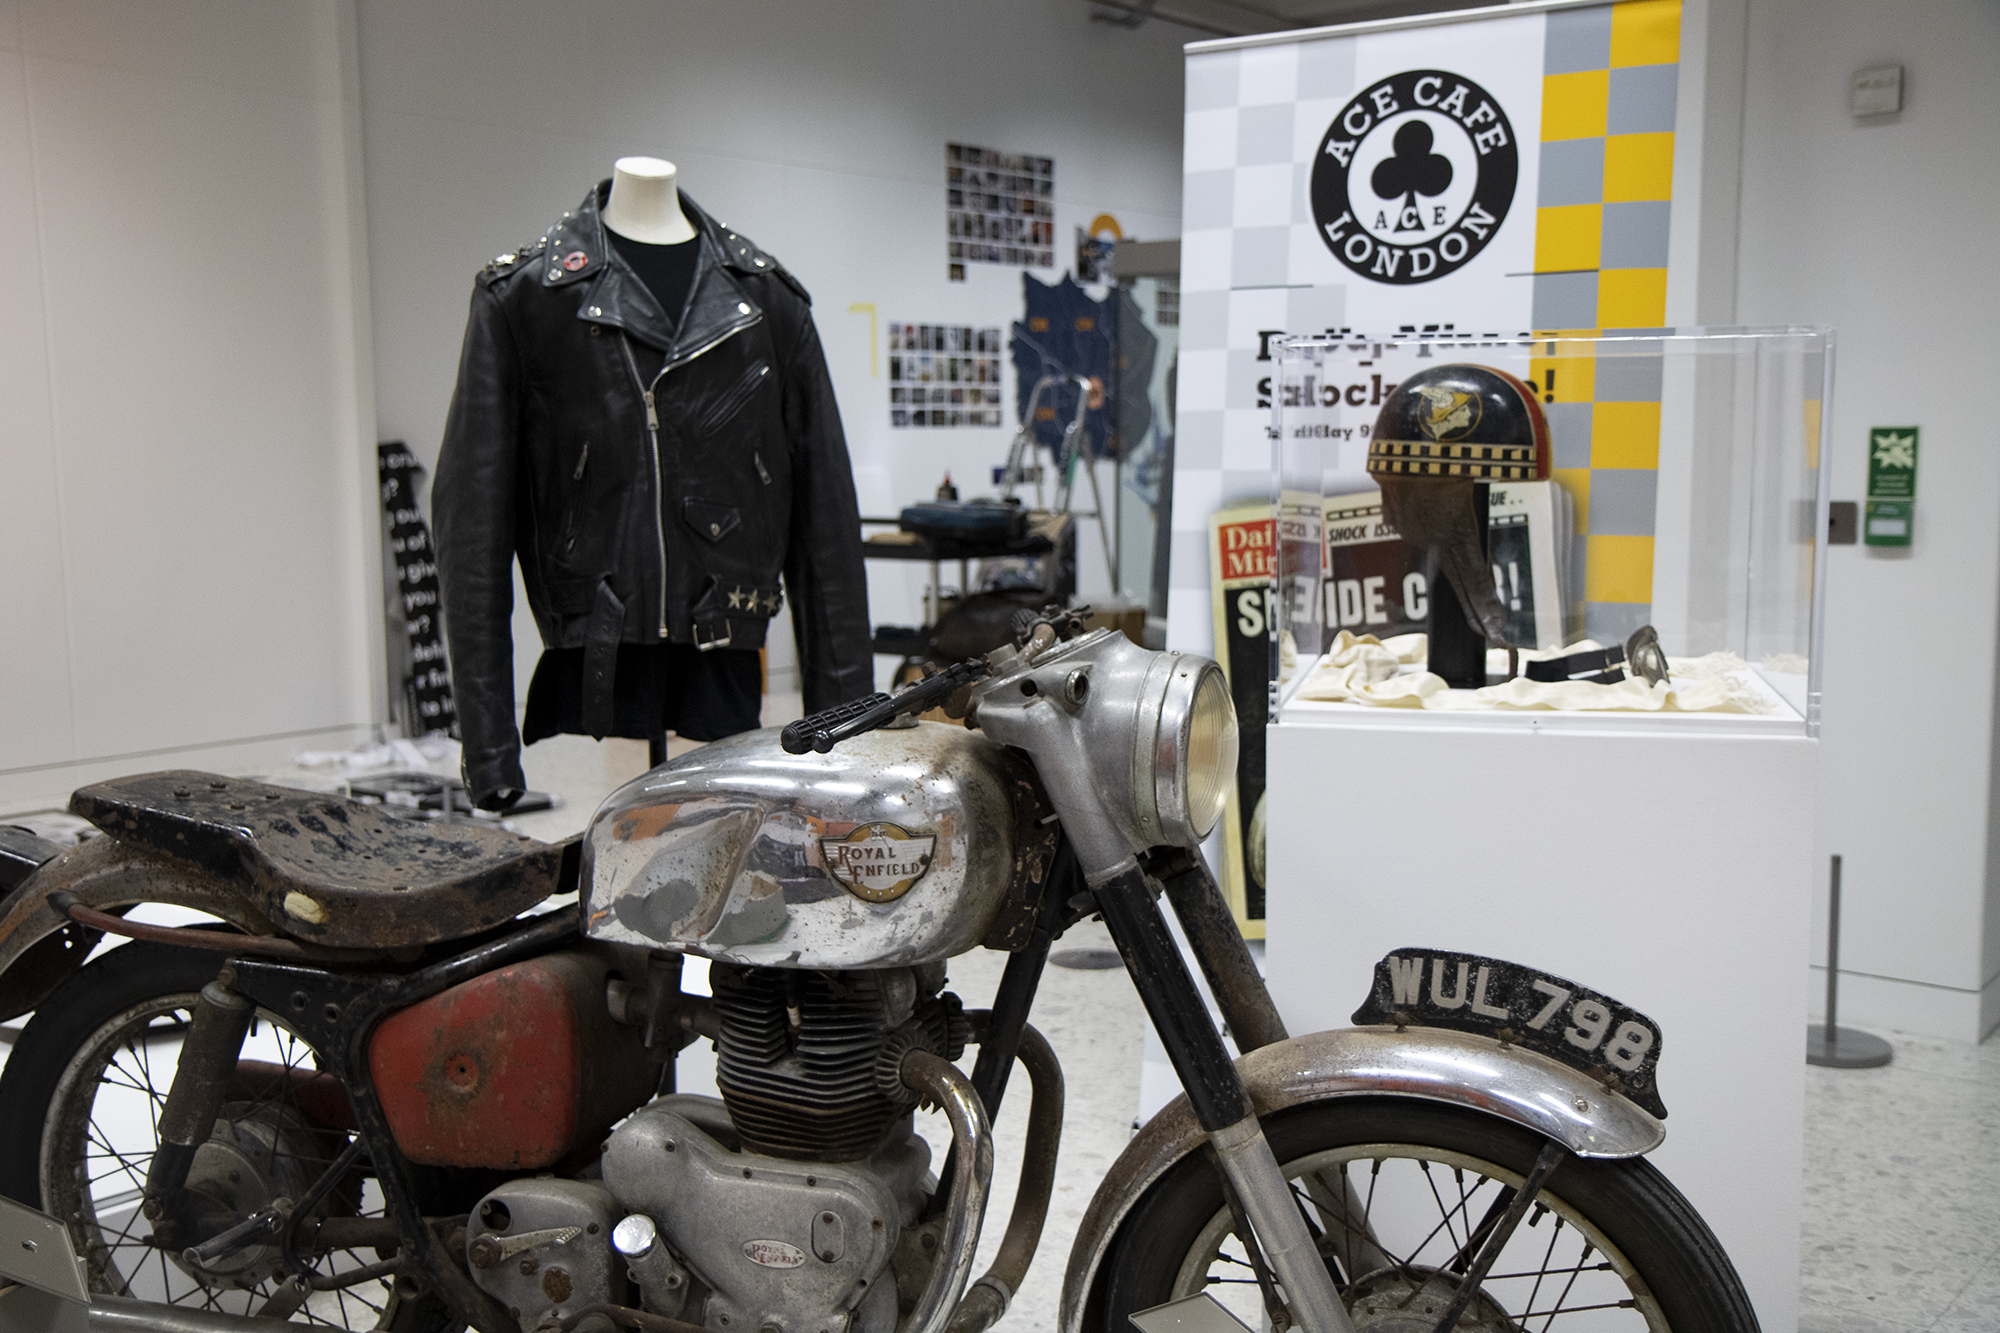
1241 487
1577 39
1569 434
1204 320
1208 200
1614 622
1642 99
1565 300
1634 235
1188 559
1311 310
1622 501
1198 441
1326 69
1302 193
1259 256
1264 135
1629 379
1212 80
1572 173
1249 381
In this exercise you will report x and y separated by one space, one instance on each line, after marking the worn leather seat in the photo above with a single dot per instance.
330 870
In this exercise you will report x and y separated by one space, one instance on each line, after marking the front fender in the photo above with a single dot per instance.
1430 1064
39 949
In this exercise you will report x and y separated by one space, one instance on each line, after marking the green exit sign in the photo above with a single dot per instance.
1892 486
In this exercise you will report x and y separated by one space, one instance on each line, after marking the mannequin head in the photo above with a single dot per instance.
645 202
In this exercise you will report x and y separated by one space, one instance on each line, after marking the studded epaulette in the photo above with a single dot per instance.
511 260
743 255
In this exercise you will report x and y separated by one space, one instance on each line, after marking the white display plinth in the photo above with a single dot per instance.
1668 868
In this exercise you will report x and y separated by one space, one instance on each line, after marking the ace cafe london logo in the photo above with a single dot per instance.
1414 177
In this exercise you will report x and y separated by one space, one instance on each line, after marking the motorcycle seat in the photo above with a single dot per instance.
329 870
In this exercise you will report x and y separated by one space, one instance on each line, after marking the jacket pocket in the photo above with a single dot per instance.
710 519
734 398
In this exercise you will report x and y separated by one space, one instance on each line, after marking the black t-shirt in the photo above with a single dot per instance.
667 270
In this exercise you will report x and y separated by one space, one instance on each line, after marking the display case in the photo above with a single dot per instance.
1672 479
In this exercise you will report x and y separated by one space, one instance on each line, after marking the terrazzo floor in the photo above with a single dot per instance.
1902 1197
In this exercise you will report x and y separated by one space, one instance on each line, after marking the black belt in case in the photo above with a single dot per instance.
1605 666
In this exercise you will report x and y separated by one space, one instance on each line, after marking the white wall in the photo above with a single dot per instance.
816 129
187 551
1885 231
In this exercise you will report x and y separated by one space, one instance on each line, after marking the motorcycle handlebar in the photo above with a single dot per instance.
825 729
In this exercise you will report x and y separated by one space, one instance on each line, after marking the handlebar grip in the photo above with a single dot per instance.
822 729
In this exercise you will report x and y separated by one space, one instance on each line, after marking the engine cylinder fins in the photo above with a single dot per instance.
799 1051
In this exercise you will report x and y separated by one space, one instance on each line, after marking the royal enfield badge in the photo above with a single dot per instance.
879 862
773 1254
1414 177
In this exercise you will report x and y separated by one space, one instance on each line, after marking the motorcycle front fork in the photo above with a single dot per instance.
1219 1100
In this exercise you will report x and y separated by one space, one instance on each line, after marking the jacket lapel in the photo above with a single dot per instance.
580 252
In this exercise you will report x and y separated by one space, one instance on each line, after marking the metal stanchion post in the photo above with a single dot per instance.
1828 1043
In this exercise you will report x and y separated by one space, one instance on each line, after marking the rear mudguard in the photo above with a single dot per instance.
39 949
1430 1064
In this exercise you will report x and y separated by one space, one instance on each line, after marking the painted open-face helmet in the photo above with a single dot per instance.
1440 432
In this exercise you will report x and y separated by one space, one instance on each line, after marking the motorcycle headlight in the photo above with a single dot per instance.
1190 750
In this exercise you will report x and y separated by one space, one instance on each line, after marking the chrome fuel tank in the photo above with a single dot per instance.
899 847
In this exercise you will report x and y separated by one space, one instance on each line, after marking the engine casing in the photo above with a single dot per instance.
901 846
801 1247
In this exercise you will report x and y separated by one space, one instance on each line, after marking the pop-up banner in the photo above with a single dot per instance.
1479 175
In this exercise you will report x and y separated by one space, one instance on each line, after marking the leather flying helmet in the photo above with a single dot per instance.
1442 431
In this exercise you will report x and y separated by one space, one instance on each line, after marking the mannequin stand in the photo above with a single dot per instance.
656 750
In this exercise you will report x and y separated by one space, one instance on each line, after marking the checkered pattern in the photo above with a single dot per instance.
1609 80
1252 261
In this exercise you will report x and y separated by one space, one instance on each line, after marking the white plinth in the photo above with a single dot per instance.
1669 869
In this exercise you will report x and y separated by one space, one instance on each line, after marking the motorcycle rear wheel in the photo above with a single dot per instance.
1610 1245
79 1101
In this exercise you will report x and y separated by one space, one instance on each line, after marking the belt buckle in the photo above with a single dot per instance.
718 641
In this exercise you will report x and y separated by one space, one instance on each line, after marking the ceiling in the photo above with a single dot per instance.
1243 18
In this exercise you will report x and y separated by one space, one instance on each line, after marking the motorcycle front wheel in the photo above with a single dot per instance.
1393 1189
79 1106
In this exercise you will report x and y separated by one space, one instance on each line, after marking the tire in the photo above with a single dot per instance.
78 1099
1611 1245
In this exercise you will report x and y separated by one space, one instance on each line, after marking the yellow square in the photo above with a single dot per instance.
1576 480
1625 435
1574 106
1631 298
1567 239
1638 166
1618 569
1575 377
1646 32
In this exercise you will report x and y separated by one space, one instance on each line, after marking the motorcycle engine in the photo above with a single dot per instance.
778 1210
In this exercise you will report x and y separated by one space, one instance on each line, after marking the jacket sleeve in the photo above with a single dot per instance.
472 509
824 576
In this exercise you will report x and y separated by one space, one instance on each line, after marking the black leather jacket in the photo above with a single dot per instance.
657 478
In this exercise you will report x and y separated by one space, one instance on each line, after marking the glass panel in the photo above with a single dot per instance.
1684 491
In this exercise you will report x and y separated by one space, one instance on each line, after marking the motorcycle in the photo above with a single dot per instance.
393 1089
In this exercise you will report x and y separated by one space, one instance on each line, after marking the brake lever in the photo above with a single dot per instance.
830 726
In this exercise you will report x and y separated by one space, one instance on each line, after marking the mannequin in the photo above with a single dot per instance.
645 203
660 520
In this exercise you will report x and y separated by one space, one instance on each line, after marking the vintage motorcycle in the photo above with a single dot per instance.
387 1092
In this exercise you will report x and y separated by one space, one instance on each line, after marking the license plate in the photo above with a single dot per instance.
1584 1029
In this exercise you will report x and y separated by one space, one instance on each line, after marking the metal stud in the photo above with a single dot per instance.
742 307
596 310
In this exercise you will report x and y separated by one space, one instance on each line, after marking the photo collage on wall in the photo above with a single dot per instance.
1000 208
944 375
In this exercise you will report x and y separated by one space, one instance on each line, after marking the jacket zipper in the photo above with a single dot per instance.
733 401
646 392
